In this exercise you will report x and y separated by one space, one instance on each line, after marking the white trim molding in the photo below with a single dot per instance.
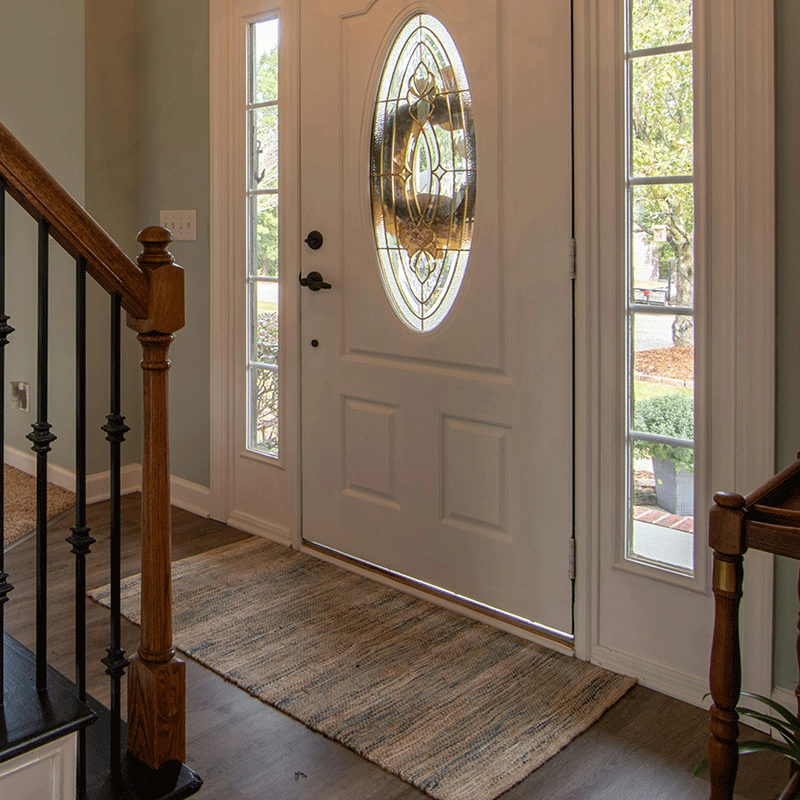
249 490
735 371
26 462
189 496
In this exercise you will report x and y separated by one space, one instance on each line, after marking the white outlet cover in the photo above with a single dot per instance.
182 224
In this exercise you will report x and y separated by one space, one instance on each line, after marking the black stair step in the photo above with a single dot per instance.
29 719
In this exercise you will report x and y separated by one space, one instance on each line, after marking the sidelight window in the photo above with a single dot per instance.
660 284
263 394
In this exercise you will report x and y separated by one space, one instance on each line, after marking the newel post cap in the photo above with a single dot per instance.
154 241
165 300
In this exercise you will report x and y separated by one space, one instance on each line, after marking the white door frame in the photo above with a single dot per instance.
736 111
734 47
279 521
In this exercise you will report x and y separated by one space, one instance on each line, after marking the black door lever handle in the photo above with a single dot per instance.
314 281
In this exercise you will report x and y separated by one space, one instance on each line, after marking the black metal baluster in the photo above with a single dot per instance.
41 437
81 539
5 330
115 429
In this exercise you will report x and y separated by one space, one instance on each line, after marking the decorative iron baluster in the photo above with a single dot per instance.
41 439
81 539
5 330
115 429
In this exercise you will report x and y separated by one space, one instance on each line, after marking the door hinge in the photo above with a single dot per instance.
572 559
572 259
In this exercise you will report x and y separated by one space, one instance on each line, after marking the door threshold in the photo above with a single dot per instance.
532 631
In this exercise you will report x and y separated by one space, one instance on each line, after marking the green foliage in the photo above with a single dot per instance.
662 139
657 23
264 133
266 77
666 415
788 728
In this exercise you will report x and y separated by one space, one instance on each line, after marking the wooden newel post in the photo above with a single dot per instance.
726 537
156 678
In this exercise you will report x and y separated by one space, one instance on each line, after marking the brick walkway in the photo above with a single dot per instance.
657 516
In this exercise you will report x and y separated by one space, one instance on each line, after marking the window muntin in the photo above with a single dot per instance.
660 286
262 287
423 173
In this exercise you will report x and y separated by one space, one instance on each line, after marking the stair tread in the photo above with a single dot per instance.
30 719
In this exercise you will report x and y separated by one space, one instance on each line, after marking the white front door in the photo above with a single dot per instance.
444 455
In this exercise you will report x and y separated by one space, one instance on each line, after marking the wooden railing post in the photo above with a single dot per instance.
726 538
156 679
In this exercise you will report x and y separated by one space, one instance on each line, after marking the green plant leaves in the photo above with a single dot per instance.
788 728
666 415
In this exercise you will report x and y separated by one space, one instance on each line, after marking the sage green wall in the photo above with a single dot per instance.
42 104
174 174
787 82
112 193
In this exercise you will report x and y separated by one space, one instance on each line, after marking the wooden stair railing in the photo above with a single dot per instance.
151 291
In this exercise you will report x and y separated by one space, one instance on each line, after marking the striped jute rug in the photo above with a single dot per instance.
19 515
454 707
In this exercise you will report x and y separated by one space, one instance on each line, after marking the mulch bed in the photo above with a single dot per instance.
668 362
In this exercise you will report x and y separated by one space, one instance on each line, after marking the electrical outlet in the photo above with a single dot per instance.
183 224
20 396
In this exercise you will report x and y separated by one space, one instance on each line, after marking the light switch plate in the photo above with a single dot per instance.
183 224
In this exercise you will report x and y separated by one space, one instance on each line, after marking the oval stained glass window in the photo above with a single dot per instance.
422 176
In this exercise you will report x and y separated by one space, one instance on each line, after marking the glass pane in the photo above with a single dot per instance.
422 177
662 141
656 23
661 524
662 245
264 316
264 235
663 359
264 418
264 148
264 65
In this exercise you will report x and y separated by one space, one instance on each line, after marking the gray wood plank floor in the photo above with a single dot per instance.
644 747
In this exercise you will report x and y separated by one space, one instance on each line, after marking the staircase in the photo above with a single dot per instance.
55 740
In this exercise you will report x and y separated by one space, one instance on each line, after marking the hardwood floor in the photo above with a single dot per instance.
644 747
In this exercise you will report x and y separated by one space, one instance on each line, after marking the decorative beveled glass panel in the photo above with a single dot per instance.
423 177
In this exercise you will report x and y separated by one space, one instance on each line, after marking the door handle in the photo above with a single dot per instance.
314 281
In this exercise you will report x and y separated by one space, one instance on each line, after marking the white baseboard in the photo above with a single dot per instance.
189 496
679 685
26 462
98 484
785 697
259 527
676 684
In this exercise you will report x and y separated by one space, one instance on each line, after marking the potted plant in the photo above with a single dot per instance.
673 467
788 726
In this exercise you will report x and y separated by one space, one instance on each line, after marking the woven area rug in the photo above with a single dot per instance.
457 708
20 503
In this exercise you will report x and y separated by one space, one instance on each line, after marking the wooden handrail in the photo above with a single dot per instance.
32 186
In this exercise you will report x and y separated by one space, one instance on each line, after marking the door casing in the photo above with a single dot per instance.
737 151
